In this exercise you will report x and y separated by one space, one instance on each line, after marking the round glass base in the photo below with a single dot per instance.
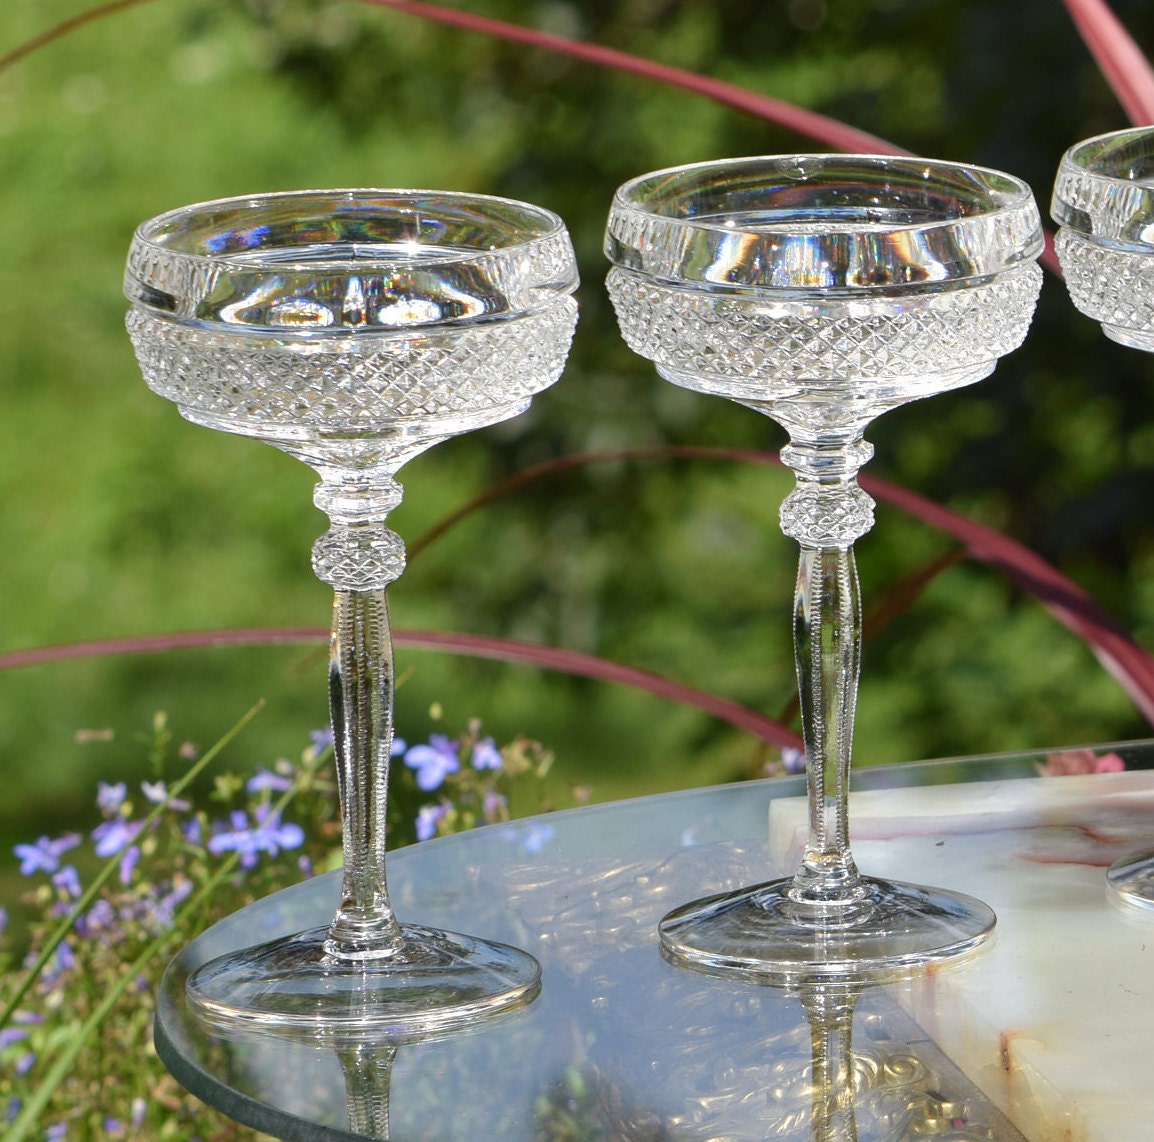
436 981
762 934
1131 879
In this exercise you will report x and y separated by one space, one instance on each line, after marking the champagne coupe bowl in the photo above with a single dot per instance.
353 329
1103 203
823 290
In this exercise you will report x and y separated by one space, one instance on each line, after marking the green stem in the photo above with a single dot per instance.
32 1111
102 878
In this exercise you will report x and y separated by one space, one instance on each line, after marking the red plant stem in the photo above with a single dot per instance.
63 28
1122 62
471 645
804 122
1117 652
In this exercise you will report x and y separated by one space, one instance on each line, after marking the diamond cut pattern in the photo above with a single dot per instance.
752 337
361 382
1106 283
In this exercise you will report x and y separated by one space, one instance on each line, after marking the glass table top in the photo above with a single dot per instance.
619 1044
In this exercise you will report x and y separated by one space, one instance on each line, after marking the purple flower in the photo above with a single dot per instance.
267 834
433 761
68 881
55 1133
157 793
12 1035
494 802
397 747
427 820
114 836
26 1062
191 831
321 739
3 920
109 798
486 755
792 760
265 781
44 855
128 860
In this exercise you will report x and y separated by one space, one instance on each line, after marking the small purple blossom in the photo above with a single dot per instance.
157 794
128 860
192 831
495 803
427 820
109 798
45 854
67 880
26 1062
114 836
486 755
56 1133
266 781
433 762
792 759
321 739
267 834
12 1035
398 747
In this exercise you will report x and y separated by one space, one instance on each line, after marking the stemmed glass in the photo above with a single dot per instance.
1104 204
353 329
823 290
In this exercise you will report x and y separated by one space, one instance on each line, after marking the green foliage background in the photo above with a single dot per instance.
120 519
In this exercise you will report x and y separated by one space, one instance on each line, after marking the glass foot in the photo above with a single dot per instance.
435 982
762 934
1131 879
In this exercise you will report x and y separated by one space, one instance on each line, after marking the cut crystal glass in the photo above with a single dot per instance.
822 291
1104 204
353 329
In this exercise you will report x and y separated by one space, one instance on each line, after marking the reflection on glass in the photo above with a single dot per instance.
353 330
823 291
1104 203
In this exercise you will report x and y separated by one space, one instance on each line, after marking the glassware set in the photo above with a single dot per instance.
1104 205
354 329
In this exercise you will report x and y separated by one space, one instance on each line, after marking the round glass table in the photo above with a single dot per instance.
621 1044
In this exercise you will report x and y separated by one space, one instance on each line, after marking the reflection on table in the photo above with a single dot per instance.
621 1044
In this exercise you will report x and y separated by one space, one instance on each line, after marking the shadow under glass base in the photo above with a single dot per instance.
1131 879
760 933
435 982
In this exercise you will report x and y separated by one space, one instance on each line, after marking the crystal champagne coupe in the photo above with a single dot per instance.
823 290
353 329
1104 204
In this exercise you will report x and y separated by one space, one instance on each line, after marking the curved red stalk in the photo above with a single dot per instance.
1126 68
471 645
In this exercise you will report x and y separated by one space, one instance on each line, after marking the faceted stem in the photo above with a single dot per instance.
367 1069
825 513
361 705
827 647
830 1015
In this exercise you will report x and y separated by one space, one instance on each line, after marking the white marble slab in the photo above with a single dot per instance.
1055 1019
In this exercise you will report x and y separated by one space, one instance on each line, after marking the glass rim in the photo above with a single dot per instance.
1002 230
1093 196
148 232
197 262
